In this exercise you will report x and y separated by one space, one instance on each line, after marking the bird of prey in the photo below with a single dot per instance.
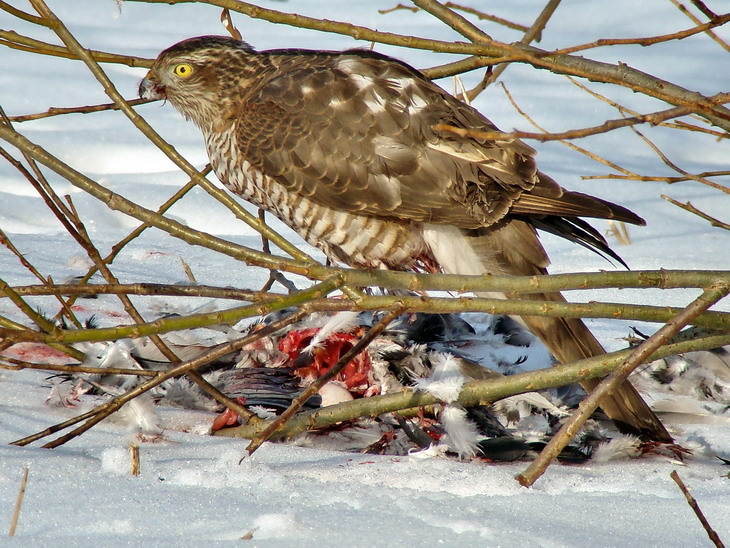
348 149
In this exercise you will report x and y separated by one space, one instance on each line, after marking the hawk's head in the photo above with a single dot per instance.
199 76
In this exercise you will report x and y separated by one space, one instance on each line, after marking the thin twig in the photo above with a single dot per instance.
466 9
696 20
274 275
675 167
457 67
486 16
570 145
134 459
17 41
18 503
169 290
714 537
692 209
40 184
654 118
653 178
651 40
457 22
531 34
58 111
700 5
20 14
65 308
398 7
17 365
679 124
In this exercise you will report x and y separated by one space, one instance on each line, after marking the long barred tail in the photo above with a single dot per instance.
515 249
570 340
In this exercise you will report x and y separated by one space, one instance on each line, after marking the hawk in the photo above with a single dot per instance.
347 148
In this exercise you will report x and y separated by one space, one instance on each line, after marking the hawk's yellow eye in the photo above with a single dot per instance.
183 70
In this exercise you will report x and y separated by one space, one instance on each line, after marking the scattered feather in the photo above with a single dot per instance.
461 434
520 406
618 447
446 379
342 322
184 394
429 452
263 412
140 416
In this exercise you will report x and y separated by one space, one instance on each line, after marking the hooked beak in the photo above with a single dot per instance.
149 89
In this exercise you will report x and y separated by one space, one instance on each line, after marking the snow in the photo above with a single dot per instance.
192 488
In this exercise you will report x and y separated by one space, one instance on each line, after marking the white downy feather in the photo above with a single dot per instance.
461 434
262 412
619 447
201 336
429 452
342 322
105 355
446 379
183 393
139 415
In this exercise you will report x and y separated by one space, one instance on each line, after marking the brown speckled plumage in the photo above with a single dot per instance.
342 147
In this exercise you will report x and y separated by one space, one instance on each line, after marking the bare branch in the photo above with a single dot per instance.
566 143
17 41
531 34
57 111
704 27
460 24
653 118
486 16
692 209
678 169
18 503
714 537
701 6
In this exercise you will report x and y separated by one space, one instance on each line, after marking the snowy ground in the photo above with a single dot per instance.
192 488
